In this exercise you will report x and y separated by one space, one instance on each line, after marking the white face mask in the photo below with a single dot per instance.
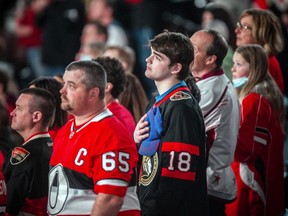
240 81
84 57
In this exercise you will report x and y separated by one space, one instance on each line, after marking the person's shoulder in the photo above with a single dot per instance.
253 99
181 101
19 155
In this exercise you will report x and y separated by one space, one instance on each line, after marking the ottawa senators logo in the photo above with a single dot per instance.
149 169
18 155
180 96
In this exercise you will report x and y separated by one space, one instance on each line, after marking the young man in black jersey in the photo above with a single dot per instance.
172 134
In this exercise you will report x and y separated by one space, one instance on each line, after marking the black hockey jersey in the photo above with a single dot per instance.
26 173
173 180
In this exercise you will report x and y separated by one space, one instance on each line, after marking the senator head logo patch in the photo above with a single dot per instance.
18 155
149 169
180 95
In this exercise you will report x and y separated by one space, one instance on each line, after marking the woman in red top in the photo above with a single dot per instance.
258 26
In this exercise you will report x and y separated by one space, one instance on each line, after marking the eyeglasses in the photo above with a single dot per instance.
243 27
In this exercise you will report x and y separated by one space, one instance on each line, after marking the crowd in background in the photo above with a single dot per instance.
39 38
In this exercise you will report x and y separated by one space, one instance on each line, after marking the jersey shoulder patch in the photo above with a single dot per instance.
180 95
18 155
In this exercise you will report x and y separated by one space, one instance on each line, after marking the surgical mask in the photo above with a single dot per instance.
84 57
240 81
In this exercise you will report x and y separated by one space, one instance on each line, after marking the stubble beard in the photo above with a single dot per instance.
66 106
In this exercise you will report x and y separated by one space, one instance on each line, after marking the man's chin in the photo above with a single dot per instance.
65 107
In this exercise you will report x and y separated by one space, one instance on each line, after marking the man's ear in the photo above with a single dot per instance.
211 59
109 87
176 68
36 116
94 93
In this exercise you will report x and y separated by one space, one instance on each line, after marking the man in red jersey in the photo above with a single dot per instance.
93 154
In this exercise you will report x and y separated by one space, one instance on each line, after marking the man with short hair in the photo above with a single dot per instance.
220 108
93 154
26 168
172 135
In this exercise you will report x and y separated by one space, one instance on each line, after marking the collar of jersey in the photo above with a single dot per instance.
213 73
36 136
163 97
97 118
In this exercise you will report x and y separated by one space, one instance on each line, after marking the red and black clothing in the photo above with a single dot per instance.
173 180
26 171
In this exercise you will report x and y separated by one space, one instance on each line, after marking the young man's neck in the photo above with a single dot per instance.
164 86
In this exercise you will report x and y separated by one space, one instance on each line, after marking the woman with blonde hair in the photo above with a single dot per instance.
258 26
258 162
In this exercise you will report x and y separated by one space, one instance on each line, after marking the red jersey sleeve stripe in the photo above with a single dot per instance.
189 176
180 147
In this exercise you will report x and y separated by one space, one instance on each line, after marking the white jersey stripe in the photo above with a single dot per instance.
114 182
247 177
260 140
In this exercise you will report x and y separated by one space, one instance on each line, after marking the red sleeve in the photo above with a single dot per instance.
253 134
116 159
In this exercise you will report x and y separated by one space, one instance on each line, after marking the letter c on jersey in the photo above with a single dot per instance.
81 152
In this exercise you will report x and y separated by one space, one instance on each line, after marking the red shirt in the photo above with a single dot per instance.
123 115
276 73
34 39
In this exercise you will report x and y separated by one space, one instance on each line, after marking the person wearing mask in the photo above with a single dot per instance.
258 163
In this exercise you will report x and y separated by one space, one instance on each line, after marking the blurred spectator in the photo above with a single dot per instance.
53 86
6 136
133 97
103 12
62 22
124 54
29 34
116 80
235 7
91 51
93 41
143 26
6 145
280 8
7 98
218 18
94 31
217 11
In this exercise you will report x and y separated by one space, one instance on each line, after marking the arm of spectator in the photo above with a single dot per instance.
107 205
